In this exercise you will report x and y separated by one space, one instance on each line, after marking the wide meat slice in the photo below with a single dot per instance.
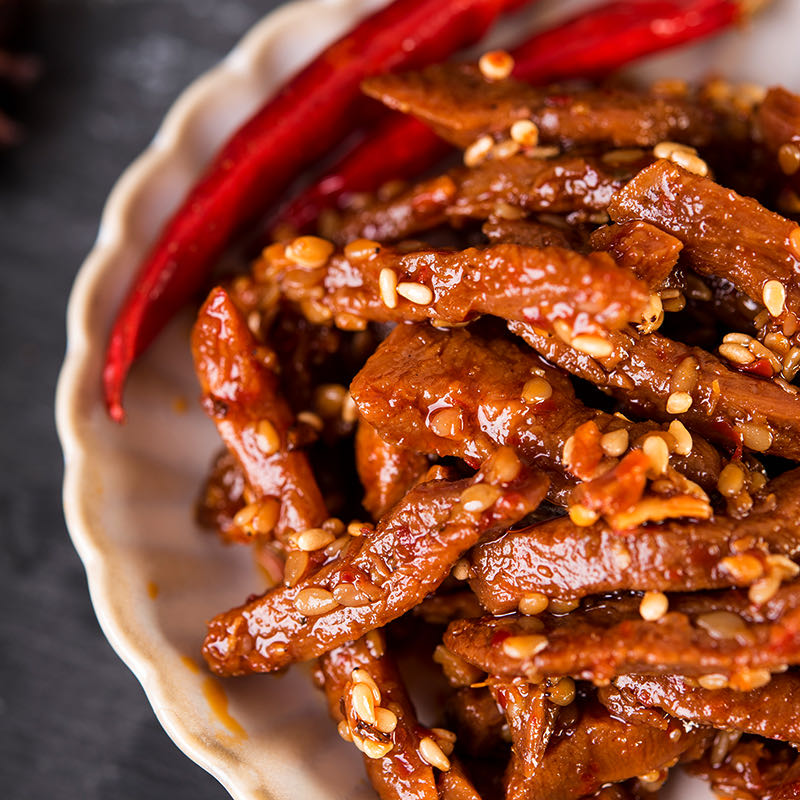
643 371
611 638
386 471
455 393
769 711
599 749
379 576
390 739
378 283
564 562
461 105
723 233
241 394
560 185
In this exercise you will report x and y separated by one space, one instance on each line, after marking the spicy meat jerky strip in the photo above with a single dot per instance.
390 737
386 471
372 282
461 105
378 577
241 394
768 711
454 393
643 371
532 233
714 222
562 561
612 639
599 749
561 185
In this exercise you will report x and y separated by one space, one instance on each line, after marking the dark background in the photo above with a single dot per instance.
74 722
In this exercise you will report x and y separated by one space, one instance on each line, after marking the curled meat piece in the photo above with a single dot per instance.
387 472
769 711
560 185
531 720
778 119
646 250
752 770
373 282
599 749
379 575
712 222
611 638
561 561
644 371
241 395
461 105
454 393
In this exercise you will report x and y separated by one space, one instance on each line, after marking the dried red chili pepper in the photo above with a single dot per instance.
312 112
594 42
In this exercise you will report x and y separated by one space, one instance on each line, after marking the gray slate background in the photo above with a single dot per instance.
74 722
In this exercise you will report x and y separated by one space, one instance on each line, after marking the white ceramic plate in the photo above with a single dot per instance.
128 491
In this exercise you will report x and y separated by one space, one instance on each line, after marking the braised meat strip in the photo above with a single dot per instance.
461 105
241 395
644 371
372 282
379 718
611 638
769 711
712 222
378 577
559 560
560 185
454 393
599 749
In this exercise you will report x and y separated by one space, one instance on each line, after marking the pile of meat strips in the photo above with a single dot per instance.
567 368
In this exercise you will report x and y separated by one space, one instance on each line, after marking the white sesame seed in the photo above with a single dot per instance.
432 754
682 437
536 390
582 516
373 749
314 600
476 153
615 443
417 293
385 720
713 681
655 448
387 283
360 675
679 403
314 539
525 132
594 346
774 297
309 251
653 606
360 249
496 65
563 693
735 353
363 703
690 162
755 436
533 603
731 480
479 497
267 438
524 646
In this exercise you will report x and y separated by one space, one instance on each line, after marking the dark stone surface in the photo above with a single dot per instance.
74 722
